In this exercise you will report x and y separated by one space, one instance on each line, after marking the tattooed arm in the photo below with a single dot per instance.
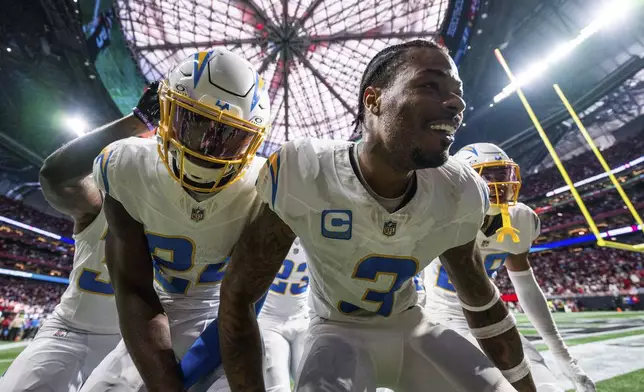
257 258
144 324
488 318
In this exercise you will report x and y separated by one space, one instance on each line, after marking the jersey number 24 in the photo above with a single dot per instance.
178 254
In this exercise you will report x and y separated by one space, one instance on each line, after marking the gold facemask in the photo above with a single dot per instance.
504 180
206 137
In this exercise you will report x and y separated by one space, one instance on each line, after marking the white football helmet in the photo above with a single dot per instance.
215 113
495 166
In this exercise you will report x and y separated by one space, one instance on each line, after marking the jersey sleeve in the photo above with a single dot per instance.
112 170
533 224
283 178
536 224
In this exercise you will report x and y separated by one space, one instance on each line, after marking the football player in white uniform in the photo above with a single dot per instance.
175 208
371 216
84 326
284 320
507 234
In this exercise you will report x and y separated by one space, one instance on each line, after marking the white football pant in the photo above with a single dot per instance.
59 359
542 376
406 352
284 345
117 372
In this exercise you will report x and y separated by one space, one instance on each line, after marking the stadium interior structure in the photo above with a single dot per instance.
69 66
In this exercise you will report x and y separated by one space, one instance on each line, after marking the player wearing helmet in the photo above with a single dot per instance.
505 238
84 326
371 216
175 209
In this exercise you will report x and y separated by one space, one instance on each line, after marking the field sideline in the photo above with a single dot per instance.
608 345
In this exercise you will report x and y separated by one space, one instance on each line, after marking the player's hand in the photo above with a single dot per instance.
148 109
572 371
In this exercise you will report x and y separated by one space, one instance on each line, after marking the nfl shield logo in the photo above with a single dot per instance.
389 228
485 243
197 214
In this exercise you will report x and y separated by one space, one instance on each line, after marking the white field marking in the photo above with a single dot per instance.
603 360
9 346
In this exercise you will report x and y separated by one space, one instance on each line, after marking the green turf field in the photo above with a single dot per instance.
6 356
588 330
627 383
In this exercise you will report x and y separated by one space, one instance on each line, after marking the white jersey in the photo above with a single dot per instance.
441 293
361 258
190 241
287 296
88 303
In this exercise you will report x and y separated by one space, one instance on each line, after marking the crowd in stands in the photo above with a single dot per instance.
24 304
587 270
16 210
581 167
26 251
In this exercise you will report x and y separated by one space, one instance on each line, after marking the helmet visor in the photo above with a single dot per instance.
504 181
208 136
506 173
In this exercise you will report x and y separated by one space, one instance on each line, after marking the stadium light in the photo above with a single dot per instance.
76 124
609 14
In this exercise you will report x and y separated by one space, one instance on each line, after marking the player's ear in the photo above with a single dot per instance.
371 100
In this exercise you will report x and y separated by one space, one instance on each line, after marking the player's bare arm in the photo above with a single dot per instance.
503 346
255 261
64 176
517 262
535 306
144 325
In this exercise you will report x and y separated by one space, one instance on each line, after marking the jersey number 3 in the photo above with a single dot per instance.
90 280
400 269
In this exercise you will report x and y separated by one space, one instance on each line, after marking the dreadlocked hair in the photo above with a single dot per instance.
382 66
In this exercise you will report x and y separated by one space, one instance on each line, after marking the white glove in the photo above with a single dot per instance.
572 371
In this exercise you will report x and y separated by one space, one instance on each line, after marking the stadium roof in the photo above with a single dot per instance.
312 53
44 73
593 50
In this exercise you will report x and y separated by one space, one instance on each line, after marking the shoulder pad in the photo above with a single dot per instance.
527 221
290 171
115 168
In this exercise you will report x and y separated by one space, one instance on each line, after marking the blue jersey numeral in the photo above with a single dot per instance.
178 254
371 268
90 280
285 272
492 263
418 282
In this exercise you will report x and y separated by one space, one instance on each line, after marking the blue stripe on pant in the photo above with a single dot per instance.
204 356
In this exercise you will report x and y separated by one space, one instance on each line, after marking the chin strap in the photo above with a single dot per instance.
507 228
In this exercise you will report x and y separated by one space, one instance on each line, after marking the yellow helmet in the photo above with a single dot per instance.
500 172
503 177
215 113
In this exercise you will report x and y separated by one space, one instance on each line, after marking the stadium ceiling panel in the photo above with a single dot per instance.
573 43
312 53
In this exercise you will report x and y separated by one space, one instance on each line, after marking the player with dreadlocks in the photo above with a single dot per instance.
371 216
